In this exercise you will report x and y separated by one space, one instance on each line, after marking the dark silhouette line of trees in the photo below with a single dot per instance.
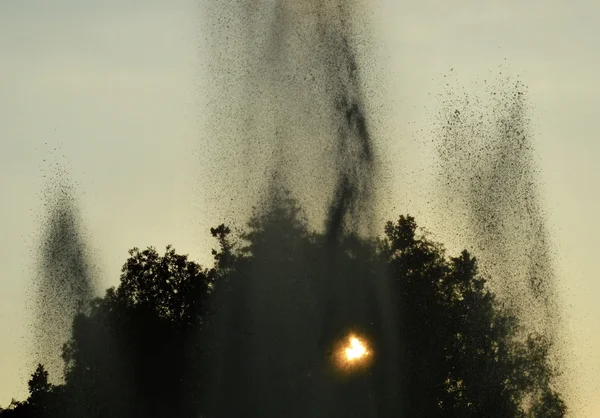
145 348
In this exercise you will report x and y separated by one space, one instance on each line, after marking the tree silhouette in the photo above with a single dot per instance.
175 339
463 354
134 348
44 398
38 384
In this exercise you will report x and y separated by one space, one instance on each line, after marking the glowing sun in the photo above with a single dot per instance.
353 353
356 349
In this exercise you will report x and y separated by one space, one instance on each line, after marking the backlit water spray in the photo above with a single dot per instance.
305 136
64 283
489 181
305 324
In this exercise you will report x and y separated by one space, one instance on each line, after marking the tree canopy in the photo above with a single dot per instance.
146 347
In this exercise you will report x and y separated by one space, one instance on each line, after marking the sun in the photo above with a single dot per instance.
356 349
353 352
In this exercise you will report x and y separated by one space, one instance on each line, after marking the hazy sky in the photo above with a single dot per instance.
116 87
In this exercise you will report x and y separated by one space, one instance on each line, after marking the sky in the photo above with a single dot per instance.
114 90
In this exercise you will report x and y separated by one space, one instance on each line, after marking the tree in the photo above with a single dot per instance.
16 409
38 384
262 315
132 351
464 355
174 339
42 402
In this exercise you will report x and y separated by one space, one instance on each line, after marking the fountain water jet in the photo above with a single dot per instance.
275 339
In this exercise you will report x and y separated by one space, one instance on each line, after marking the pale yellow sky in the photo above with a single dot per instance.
118 85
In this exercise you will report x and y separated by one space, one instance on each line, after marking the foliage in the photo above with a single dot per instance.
464 355
143 350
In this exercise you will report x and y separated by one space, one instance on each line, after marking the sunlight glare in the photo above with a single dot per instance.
356 350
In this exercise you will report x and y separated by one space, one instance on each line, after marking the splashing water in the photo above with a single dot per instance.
64 282
293 137
488 177
304 118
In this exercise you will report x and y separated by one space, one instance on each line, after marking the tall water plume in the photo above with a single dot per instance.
306 150
285 101
64 282
489 179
